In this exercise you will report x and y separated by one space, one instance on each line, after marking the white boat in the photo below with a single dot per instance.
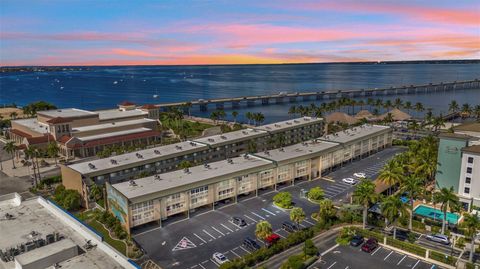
61 88
115 82
155 96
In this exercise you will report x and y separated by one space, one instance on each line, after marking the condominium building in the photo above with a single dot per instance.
469 181
81 176
82 133
159 197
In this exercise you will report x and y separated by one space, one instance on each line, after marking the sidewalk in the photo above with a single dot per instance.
25 171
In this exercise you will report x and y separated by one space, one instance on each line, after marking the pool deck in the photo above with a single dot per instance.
416 204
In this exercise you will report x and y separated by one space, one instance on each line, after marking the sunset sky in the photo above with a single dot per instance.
235 32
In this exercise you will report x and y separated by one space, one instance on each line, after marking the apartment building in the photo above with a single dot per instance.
469 181
82 133
159 197
162 159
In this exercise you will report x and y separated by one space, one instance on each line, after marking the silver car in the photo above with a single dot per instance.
439 238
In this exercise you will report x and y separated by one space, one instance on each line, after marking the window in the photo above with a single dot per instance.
468 180
470 159
467 190
469 170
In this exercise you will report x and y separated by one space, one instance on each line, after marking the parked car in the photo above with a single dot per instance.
370 245
289 227
356 241
360 175
219 258
250 244
401 235
238 221
439 238
349 180
272 239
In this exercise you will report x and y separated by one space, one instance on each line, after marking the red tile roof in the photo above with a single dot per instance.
64 139
149 106
58 120
40 139
20 133
22 146
127 103
115 139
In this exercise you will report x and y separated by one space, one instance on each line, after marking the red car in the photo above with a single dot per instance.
272 239
370 245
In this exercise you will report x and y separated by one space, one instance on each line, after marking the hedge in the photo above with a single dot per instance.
368 234
470 265
409 247
442 258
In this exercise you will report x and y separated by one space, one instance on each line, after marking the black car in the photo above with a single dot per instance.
289 227
238 221
356 241
401 235
251 244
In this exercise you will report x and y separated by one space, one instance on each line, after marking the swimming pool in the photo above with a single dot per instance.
437 214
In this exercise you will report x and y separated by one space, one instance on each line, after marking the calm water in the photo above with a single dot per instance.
104 87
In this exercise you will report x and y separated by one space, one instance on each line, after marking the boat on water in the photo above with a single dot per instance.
115 82
155 96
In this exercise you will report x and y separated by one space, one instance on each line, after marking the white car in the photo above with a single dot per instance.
439 238
219 258
349 180
360 175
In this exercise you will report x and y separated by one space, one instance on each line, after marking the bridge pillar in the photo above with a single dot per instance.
203 107
279 99
235 104
319 96
338 95
292 99
306 97
265 101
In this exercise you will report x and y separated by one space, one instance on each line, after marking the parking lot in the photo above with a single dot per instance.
348 257
190 243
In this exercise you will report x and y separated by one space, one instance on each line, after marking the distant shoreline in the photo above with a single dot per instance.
46 68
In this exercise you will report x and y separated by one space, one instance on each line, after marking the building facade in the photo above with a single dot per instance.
182 192
469 181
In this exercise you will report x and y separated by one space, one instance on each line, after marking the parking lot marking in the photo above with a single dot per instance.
346 267
328 250
210 235
194 266
401 260
416 264
309 222
302 225
376 251
332 265
388 256
268 211
185 243
226 227
233 252
217 230
200 238
257 215
281 235
201 265
214 262
250 218
337 188
245 249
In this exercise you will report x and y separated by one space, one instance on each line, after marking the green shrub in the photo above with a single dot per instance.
310 248
283 199
409 247
442 257
68 199
368 234
316 194
460 242
294 262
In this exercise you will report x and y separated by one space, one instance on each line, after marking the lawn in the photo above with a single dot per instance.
117 244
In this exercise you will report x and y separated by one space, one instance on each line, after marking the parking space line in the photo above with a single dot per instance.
201 265
418 261
209 234
194 266
337 188
214 262
388 256
217 230
309 222
375 251
332 265
234 253
250 218
224 226
268 211
302 225
280 235
257 215
246 250
200 238
401 260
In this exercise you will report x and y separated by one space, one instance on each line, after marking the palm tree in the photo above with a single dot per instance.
398 103
297 215
388 118
10 148
414 127
214 116
438 122
13 115
188 105
370 102
259 118
326 210
413 186
466 110
263 230
30 155
388 104
453 106
408 106
52 151
448 200
419 107
361 103
472 225
393 208
292 110
476 112
96 192
234 115
249 116
391 174
365 195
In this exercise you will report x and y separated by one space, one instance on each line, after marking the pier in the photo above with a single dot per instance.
284 97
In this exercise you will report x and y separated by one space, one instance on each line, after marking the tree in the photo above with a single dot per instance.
29 156
327 210
309 248
10 148
466 110
258 118
283 199
398 103
453 106
292 110
365 194
316 194
184 164
390 174
419 107
234 115
297 215
249 116
13 115
52 151
214 116
96 192
471 223
392 208
413 186
448 200
438 122
263 230
408 106
476 112
414 127
388 118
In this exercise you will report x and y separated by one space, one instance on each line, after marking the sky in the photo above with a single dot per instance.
87 32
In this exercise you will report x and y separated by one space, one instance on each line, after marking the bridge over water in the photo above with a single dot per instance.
235 102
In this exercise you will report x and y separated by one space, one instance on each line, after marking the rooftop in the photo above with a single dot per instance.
217 140
297 150
196 174
111 125
30 216
33 125
150 155
354 133
112 134
112 114
288 124
472 149
468 127
66 113
454 135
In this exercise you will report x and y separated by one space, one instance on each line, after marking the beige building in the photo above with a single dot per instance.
158 197
82 133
